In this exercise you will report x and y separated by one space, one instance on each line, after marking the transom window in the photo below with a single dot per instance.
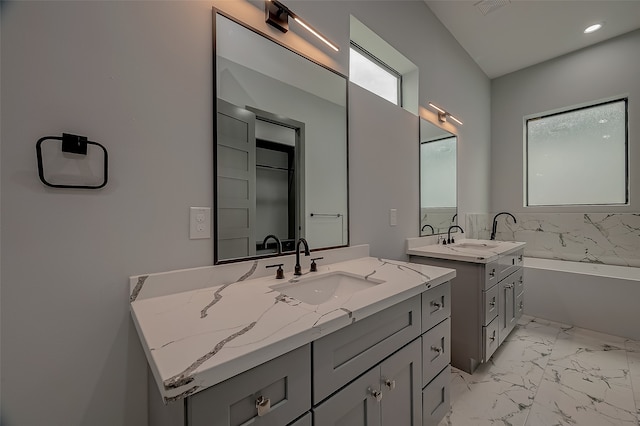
578 157
369 72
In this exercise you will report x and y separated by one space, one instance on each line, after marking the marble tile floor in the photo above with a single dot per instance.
547 374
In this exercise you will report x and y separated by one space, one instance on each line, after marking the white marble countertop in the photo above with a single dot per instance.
197 338
465 250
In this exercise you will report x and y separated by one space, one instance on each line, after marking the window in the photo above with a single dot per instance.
578 157
368 72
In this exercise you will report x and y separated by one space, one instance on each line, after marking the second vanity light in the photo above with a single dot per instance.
278 14
442 114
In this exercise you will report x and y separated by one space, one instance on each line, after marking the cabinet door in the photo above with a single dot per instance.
303 421
507 312
355 405
401 380
281 386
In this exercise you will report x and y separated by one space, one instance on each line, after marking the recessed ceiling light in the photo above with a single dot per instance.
592 28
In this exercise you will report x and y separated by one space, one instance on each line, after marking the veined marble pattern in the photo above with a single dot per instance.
547 373
606 238
440 218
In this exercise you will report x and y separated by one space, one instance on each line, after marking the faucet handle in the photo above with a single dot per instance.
279 272
314 267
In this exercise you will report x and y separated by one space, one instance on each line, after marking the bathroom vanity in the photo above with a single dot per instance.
487 293
363 341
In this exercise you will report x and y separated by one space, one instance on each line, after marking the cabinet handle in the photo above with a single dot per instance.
492 273
391 384
436 349
376 394
508 286
436 304
263 405
521 304
520 280
493 336
520 258
493 302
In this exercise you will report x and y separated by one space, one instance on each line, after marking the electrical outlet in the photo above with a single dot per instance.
199 222
393 217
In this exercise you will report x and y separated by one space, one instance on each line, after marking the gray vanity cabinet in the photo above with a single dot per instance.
486 301
387 395
378 371
343 355
272 394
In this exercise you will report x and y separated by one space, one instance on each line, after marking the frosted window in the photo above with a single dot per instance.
578 157
370 75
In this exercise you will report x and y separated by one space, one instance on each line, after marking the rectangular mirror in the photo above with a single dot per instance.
280 146
438 194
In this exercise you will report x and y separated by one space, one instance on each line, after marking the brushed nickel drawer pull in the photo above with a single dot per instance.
493 336
263 405
391 384
436 304
436 349
376 394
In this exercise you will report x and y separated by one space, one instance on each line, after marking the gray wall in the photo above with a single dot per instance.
608 69
137 77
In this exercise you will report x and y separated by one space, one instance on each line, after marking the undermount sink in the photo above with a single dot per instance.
319 289
477 246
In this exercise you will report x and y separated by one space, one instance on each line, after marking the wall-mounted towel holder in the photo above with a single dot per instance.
72 144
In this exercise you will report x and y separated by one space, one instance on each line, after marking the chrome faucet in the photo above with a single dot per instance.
433 231
298 268
278 243
449 239
495 224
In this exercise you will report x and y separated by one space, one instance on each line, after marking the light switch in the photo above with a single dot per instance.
393 217
199 222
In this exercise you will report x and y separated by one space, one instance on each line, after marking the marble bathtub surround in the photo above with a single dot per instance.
198 337
548 373
605 238
464 249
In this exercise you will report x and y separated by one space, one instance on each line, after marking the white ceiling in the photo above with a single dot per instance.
526 32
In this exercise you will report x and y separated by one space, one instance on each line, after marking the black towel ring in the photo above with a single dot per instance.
76 145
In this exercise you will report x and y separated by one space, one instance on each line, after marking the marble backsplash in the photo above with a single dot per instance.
606 238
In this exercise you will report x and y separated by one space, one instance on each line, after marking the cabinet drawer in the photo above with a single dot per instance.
343 355
436 305
490 304
519 281
435 399
436 350
303 421
282 384
490 338
491 271
509 263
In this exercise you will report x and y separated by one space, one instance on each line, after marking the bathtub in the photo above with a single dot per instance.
604 298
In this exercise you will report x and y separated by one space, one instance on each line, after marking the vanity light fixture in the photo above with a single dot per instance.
277 15
442 114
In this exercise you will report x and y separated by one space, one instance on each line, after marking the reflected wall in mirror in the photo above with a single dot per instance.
280 147
438 195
